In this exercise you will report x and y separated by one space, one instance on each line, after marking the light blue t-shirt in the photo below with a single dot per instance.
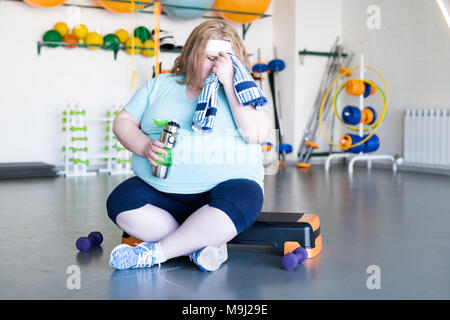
200 160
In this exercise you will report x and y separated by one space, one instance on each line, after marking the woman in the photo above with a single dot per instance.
215 187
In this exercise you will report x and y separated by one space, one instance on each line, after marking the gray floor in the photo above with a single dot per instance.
399 223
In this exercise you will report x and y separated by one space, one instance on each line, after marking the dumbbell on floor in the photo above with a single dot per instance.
291 260
94 238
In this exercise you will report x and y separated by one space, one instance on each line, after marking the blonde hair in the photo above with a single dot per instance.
187 64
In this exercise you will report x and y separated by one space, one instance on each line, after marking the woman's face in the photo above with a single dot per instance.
207 63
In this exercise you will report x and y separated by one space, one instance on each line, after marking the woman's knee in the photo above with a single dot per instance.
111 207
241 199
121 198
148 223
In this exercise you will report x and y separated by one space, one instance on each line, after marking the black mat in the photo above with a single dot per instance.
26 170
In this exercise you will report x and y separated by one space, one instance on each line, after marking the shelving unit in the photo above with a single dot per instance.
41 44
245 27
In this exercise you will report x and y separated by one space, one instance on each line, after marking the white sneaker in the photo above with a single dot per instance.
210 258
144 255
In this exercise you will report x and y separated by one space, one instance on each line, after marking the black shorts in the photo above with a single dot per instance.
240 199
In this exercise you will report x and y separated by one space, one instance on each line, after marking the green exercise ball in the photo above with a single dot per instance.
111 42
142 33
52 35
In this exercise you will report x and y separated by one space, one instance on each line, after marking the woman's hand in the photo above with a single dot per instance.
223 68
154 147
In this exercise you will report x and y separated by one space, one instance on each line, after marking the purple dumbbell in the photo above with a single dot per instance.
94 238
291 260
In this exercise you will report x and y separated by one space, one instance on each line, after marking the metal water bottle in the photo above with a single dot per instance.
168 137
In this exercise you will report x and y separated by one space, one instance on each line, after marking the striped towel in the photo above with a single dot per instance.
246 89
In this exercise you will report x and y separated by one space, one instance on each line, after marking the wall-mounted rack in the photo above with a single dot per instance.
41 44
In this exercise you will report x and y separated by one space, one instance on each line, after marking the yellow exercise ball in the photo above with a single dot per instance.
44 3
123 35
80 31
62 28
254 6
94 38
133 49
122 7
148 48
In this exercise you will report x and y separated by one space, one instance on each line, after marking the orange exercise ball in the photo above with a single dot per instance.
121 7
255 6
70 38
45 3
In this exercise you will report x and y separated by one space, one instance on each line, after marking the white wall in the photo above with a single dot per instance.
411 50
284 31
300 24
318 24
34 88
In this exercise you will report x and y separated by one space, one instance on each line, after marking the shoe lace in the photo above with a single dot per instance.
146 259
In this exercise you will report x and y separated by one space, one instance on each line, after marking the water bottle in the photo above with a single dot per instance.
168 137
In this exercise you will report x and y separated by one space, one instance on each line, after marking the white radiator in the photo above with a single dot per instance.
426 137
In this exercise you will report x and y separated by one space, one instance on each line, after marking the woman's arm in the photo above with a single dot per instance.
127 130
254 125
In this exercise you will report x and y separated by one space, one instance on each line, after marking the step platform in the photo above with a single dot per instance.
284 231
